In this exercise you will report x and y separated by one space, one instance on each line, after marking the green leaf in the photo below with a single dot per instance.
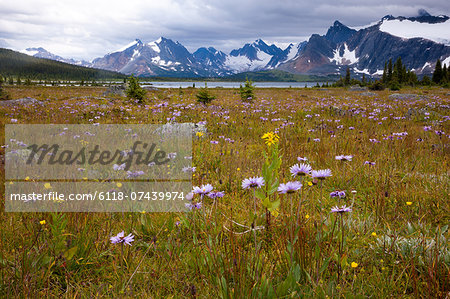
70 253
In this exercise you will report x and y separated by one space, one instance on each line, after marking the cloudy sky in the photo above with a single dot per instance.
85 29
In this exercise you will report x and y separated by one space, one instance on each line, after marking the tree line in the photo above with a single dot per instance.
18 65
396 75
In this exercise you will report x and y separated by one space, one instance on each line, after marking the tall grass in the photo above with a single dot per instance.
394 243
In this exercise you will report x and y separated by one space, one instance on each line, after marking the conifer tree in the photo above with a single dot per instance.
437 74
347 77
389 71
444 73
134 90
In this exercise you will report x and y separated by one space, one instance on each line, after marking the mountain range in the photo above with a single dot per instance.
419 41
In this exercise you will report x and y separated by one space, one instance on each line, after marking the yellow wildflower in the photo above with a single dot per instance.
354 265
270 138
408 203
47 186
119 184
42 222
199 134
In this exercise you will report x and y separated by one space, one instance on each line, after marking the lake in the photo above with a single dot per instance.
227 84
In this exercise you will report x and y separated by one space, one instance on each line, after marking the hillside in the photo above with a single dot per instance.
17 64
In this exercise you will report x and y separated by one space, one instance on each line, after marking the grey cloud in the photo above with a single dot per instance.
87 30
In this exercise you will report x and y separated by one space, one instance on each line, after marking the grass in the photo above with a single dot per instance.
393 244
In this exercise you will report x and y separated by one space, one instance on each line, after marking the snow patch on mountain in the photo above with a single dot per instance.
154 46
446 61
348 57
127 46
241 63
293 51
439 33
29 52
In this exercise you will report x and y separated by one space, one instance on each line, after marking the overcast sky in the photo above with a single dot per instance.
85 29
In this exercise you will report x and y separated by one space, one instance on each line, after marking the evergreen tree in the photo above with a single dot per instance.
363 80
347 77
11 81
426 80
389 72
134 90
384 78
203 96
444 73
398 70
437 74
3 94
246 92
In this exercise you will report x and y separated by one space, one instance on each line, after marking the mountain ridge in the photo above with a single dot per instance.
364 51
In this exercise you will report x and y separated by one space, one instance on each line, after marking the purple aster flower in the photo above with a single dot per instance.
302 159
342 209
192 206
369 163
321 174
216 194
188 169
344 158
120 238
439 132
256 182
203 190
214 142
300 169
190 196
340 194
289 187
119 167
135 174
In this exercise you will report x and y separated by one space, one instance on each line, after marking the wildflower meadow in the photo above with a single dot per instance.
297 193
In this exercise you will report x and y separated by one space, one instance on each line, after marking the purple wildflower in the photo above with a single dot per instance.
188 169
300 169
192 206
344 158
340 194
369 163
289 187
120 238
216 194
321 174
256 182
340 210
134 174
203 190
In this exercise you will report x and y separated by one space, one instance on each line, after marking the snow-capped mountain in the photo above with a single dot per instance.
42 53
160 57
419 41
166 57
212 59
252 57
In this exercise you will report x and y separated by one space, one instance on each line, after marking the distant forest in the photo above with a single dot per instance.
15 64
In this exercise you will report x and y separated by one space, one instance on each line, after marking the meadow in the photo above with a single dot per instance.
375 226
